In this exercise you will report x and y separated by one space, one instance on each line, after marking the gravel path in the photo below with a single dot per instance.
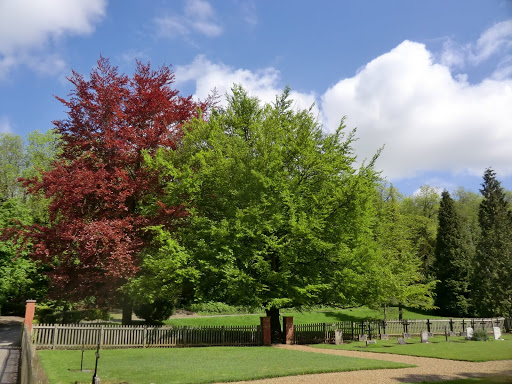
427 369
10 338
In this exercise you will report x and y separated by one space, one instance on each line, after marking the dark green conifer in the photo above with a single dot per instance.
452 264
493 273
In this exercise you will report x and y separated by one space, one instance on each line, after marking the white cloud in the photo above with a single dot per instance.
264 83
427 119
30 28
5 125
495 41
198 16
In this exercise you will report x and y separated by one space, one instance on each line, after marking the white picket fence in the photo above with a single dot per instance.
76 336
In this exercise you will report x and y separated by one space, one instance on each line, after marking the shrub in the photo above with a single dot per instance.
480 335
154 312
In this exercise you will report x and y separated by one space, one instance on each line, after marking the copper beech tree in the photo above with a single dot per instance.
102 196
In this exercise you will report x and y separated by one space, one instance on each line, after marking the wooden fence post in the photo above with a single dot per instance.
101 335
54 341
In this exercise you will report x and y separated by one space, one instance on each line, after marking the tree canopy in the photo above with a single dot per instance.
279 214
102 197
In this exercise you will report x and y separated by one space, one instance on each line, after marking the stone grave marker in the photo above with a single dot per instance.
363 337
430 334
451 333
463 334
384 336
338 337
496 331
368 342
469 333
401 341
424 336
407 335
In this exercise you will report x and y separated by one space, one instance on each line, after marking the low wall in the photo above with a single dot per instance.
31 371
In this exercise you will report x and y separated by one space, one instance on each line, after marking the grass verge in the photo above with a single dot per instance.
327 316
456 349
196 365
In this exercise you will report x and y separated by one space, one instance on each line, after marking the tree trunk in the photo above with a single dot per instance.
127 306
385 312
275 325
400 314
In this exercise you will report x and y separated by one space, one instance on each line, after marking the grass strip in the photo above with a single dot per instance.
196 365
456 349
329 316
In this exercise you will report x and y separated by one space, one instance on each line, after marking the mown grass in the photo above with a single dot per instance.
196 365
456 349
327 316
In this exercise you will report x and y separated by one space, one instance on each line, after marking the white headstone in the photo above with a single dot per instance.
469 333
401 341
338 337
363 337
424 337
497 333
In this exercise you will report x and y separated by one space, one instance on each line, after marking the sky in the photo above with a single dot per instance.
429 81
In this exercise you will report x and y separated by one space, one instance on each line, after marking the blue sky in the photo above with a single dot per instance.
429 80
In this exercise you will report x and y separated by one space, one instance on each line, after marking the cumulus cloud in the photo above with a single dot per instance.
198 16
5 125
427 119
263 84
30 28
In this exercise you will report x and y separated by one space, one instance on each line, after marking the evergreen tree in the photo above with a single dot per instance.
493 274
452 265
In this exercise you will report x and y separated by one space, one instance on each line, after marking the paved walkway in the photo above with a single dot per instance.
10 339
427 369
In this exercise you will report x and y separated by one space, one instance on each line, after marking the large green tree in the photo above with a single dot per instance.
453 262
280 215
402 281
493 274
20 277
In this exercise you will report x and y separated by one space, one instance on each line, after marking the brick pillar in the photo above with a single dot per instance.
29 313
288 329
265 329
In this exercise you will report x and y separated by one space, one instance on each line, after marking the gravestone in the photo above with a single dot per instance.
469 333
407 335
384 336
496 331
371 342
338 337
424 337
463 334
401 341
430 334
451 334
363 337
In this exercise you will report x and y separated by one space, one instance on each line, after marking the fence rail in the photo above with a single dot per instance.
113 336
89 335
325 332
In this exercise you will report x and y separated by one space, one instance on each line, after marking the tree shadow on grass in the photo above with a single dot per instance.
504 377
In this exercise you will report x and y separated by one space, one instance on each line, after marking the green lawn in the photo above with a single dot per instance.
328 316
195 365
457 349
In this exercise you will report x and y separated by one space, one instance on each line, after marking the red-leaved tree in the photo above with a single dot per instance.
99 184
